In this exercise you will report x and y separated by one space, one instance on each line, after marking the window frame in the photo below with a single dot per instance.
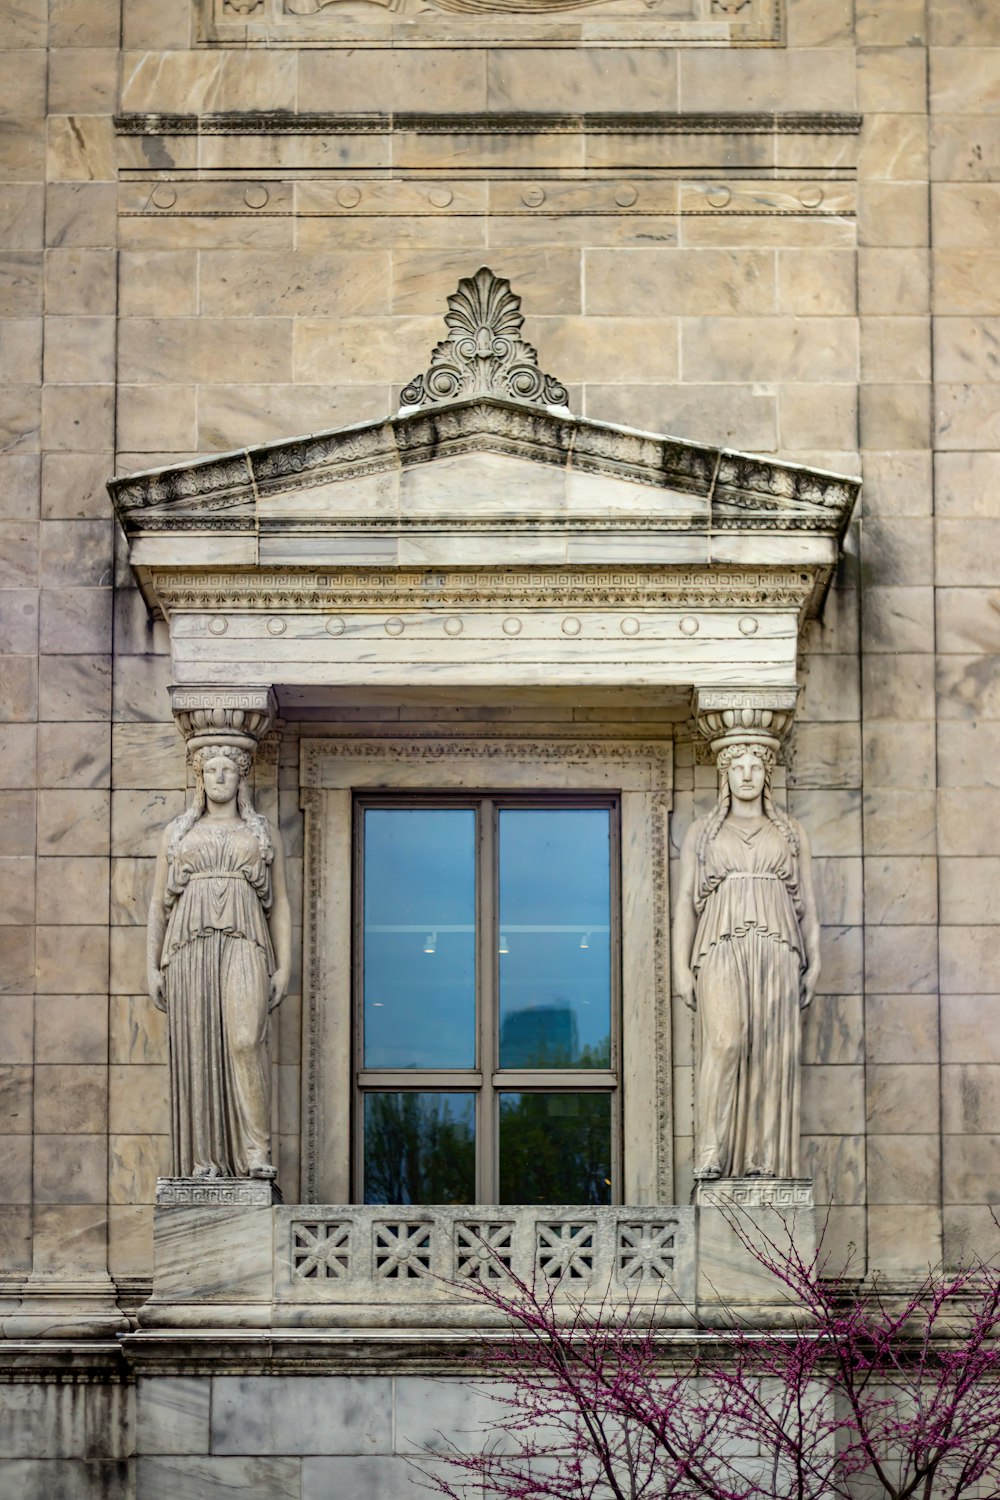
486 1079
334 769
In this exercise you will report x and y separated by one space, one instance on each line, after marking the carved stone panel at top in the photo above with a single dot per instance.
427 23
484 353
732 715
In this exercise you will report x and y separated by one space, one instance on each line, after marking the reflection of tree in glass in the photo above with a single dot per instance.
547 1036
555 1148
419 1148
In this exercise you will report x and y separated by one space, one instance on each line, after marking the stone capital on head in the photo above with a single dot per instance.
228 719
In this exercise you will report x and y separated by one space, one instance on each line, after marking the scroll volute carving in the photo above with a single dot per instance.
746 946
219 943
484 353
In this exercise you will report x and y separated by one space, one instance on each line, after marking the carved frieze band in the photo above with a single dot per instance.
492 123
348 590
426 22
184 194
755 1192
223 1192
645 764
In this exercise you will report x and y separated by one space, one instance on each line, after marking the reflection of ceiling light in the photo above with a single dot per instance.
504 945
585 940
377 1004
431 942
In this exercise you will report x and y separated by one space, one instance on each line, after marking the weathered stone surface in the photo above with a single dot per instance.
724 303
901 1098
279 1415
775 1212
163 1477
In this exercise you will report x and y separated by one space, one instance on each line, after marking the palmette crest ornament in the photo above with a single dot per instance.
484 354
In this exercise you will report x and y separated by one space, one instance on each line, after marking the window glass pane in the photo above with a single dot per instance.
555 1148
419 938
555 938
420 1148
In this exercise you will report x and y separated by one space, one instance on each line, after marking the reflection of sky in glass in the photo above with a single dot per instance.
420 1148
420 892
555 958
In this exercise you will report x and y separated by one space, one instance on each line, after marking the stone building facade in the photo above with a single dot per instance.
763 227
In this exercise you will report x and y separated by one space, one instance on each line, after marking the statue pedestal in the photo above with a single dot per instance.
217 1192
744 1222
212 1242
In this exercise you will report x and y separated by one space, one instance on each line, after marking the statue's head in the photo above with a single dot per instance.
745 764
221 772
745 767
220 756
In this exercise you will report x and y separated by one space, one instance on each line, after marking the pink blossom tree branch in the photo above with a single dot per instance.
871 1391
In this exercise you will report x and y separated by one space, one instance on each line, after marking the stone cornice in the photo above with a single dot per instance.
284 122
739 491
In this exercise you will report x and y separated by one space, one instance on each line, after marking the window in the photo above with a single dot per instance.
486 976
343 775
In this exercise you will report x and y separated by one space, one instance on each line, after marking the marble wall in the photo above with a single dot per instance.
271 1437
154 305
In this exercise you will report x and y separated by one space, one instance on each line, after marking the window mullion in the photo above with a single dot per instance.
555 1080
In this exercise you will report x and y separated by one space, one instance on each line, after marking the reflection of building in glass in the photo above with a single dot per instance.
539 1036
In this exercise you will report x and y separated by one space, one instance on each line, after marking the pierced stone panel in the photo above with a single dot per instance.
483 1250
565 1251
321 1250
646 1251
402 1250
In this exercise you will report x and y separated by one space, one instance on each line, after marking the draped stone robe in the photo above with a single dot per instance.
748 962
217 962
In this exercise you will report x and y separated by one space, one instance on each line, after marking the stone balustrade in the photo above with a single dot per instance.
309 1265
644 1254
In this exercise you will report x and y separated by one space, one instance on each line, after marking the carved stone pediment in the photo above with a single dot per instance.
483 440
422 544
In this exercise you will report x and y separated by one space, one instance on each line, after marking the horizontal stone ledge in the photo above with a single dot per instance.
268 1351
337 1351
503 676
379 122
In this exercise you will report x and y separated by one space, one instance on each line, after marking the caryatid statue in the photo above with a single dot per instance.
746 952
219 945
